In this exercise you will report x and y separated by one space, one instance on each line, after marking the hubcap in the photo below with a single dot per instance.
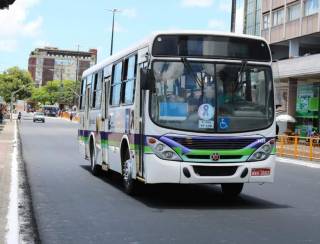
127 170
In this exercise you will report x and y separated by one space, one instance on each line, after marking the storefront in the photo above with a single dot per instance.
307 107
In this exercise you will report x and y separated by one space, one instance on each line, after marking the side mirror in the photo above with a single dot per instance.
147 80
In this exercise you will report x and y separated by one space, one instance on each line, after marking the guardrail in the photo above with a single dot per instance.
298 147
66 115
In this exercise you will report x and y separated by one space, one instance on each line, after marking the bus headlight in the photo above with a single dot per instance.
262 152
162 150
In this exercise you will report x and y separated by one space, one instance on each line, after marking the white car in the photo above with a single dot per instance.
38 116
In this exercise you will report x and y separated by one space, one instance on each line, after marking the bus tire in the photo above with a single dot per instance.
130 185
95 168
231 189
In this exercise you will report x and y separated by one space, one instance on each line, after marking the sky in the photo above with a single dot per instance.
29 24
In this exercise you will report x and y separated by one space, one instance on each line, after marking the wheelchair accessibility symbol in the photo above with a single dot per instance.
224 123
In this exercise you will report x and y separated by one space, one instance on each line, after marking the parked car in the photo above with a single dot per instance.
38 116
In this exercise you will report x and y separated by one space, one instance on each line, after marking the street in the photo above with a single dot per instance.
73 206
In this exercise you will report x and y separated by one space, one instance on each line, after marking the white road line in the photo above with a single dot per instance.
298 162
12 236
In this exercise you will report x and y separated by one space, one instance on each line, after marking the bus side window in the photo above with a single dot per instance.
99 90
129 72
82 93
94 90
116 85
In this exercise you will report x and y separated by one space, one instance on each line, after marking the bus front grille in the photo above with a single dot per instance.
200 143
209 157
215 170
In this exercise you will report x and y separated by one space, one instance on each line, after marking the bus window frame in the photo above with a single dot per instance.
83 93
125 79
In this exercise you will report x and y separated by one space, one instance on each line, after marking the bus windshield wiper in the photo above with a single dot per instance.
239 78
191 71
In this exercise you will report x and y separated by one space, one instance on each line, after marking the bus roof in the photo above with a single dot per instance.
147 42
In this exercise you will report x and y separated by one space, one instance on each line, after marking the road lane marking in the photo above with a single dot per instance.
12 236
298 162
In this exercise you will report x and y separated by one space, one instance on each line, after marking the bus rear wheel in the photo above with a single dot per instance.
231 189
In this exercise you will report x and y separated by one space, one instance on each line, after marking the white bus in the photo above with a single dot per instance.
182 107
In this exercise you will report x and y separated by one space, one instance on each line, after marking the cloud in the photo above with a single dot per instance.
15 24
117 28
33 28
217 25
225 6
8 45
131 13
42 43
196 3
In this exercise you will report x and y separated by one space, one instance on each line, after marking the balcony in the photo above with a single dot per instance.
300 67
277 33
309 24
266 5
292 29
277 3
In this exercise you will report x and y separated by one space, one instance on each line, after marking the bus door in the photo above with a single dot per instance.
86 119
105 116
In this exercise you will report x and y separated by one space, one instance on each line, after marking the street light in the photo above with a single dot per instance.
233 16
12 96
114 11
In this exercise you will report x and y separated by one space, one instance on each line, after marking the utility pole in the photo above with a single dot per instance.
77 71
77 68
114 11
233 15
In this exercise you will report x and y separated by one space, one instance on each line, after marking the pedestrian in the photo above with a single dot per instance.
1 116
19 116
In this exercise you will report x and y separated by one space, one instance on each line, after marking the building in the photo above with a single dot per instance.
49 63
252 17
292 28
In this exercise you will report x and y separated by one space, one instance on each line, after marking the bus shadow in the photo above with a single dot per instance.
173 196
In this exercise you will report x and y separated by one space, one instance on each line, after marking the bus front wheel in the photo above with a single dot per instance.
95 168
130 185
231 189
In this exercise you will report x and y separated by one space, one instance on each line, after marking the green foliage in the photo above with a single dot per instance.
61 92
13 79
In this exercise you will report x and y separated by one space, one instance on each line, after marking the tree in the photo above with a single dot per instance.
61 92
13 79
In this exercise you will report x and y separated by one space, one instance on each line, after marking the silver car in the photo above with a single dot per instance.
38 116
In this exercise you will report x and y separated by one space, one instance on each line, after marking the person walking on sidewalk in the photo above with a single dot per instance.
19 116
1 116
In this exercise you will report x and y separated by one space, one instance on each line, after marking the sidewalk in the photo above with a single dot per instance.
6 148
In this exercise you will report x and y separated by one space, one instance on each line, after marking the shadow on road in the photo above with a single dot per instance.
174 196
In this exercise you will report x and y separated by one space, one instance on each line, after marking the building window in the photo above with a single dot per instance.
310 7
293 12
277 17
116 84
266 21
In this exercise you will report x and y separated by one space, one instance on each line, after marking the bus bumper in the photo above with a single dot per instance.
162 171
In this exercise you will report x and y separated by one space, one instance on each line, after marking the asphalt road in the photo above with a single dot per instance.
72 206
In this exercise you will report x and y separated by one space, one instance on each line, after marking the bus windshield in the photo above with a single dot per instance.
212 97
